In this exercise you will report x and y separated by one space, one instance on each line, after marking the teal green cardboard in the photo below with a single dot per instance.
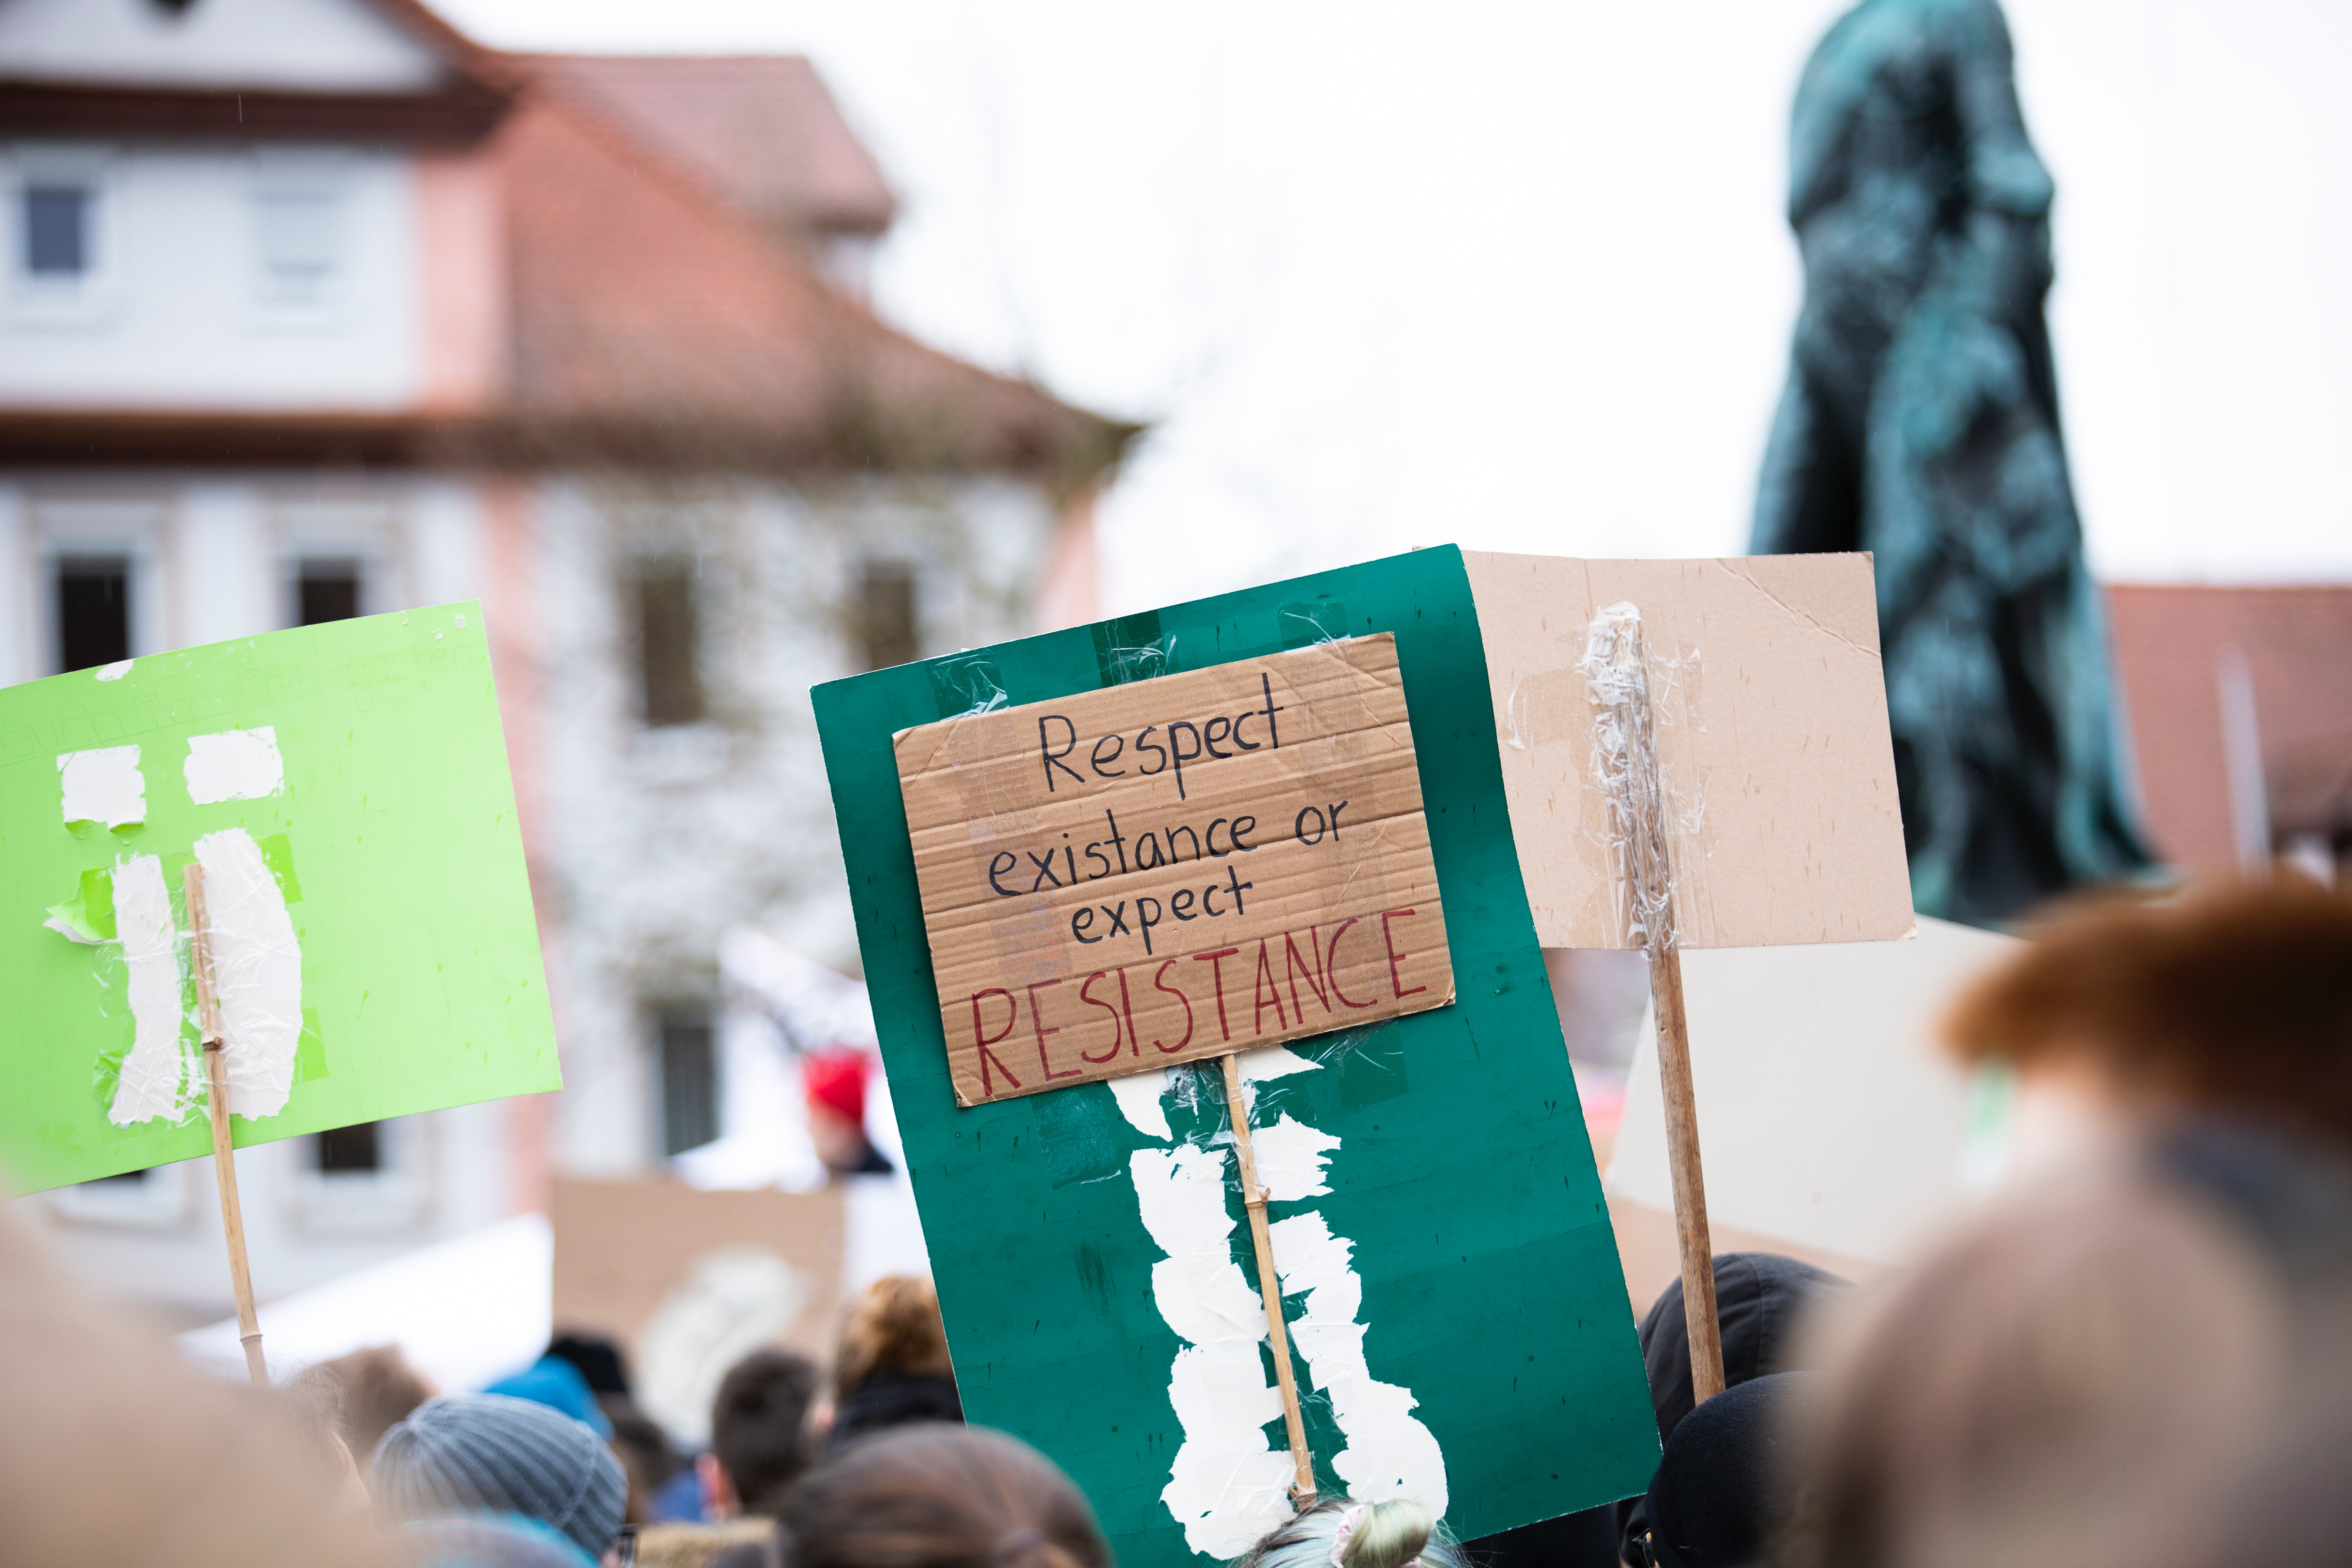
1458 1189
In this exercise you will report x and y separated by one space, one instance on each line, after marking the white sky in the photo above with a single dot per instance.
1516 275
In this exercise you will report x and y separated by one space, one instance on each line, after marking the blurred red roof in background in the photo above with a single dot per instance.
763 130
2297 643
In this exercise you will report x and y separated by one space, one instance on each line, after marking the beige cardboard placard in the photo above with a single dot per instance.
1830 1117
689 1281
1771 736
1213 861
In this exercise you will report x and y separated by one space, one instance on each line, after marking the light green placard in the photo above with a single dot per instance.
384 826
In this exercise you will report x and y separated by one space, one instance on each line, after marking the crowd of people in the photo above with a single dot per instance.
2141 1354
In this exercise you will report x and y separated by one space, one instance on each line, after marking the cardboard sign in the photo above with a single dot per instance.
345 788
1829 1117
1772 734
689 1282
1457 1313
1123 879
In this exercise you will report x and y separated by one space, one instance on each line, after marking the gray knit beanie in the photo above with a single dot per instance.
484 1453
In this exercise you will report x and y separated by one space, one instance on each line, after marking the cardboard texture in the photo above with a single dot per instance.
1829 1117
1772 734
1182 867
346 787
688 1283
1456 1309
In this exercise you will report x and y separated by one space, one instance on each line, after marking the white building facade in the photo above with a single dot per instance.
311 309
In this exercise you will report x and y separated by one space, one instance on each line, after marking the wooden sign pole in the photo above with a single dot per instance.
208 1020
1269 1291
1633 780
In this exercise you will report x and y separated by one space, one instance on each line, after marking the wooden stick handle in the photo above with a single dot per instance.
1690 1185
208 1020
1269 1291
1637 790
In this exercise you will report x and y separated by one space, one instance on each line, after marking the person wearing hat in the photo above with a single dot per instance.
488 1454
836 1080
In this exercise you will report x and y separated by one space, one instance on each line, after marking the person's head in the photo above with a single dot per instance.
116 1450
598 1359
836 1083
2233 999
1337 1534
378 1388
944 1497
2064 1382
557 1384
1721 1491
484 1453
759 1432
646 1455
316 1401
489 1540
1761 1298
893 1326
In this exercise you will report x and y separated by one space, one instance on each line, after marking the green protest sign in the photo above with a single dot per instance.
1450 1283
344 788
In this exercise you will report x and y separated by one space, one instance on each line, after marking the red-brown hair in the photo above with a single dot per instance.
893 1326
2233 997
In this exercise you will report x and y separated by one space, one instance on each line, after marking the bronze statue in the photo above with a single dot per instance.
1920 422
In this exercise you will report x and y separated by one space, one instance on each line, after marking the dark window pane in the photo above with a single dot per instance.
356 1149
887 613
667 638
327 590
690 1080
93 612
57 231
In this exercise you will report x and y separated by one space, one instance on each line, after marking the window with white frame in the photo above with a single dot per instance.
93 610
153 1199
58 213
371 1179
55 241
685 1062
299 239
96 598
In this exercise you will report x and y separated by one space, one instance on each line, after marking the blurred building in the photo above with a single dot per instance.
314 308
2240 713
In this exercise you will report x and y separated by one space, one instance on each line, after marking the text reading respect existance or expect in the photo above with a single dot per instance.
1089 864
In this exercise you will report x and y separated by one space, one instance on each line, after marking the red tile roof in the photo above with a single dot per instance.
654 318
2297 643
761 129
656 321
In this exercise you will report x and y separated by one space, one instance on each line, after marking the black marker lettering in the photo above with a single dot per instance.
1050 758
1181 758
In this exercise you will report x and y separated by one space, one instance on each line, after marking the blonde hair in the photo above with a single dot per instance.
1386 1535
893 1326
